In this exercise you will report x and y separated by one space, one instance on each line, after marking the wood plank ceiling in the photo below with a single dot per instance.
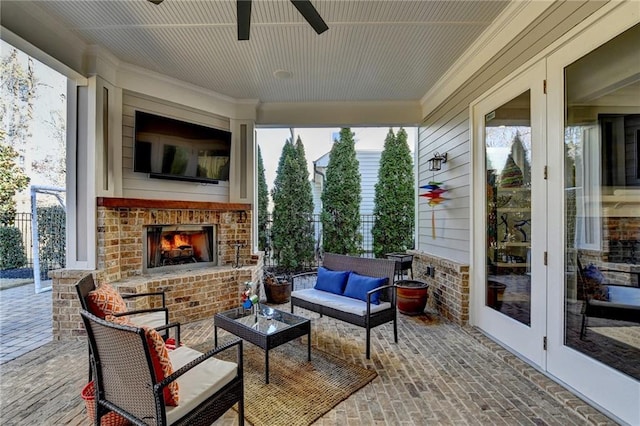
373 50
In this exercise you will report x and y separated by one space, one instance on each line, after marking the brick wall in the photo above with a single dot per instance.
448 289
120 235
620 239
191 294
67 324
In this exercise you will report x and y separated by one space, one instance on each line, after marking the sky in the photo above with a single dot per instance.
317 142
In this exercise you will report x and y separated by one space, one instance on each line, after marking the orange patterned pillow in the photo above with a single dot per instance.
162 365
105 300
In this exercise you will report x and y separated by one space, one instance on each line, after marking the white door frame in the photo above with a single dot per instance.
612 391
525 340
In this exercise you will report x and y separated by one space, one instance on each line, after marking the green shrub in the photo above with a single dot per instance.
52 237
394 208
292 228
12 254
341 198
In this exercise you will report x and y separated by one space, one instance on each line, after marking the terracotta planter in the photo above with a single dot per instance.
278 292
412 296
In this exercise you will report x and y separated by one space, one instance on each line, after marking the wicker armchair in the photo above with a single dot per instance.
607 300
157 318
152 317
125 381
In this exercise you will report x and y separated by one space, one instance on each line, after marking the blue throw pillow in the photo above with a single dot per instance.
594 283
331 281
592 272
359 285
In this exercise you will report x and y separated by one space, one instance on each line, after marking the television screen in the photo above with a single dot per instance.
172 149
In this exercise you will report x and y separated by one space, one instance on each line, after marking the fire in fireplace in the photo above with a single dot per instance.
167 246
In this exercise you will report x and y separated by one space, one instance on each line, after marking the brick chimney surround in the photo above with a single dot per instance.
192 293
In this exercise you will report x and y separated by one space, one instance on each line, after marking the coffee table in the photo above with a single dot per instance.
268 329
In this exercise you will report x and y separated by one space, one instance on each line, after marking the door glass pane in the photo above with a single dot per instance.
508 169
602 203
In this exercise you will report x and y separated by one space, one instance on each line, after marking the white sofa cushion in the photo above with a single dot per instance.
200 382
338 302
624 295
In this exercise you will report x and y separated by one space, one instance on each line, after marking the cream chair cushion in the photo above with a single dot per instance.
200 382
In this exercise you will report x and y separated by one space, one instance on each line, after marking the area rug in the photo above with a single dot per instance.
627 335
299 391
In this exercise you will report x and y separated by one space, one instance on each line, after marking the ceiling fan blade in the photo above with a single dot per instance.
310 13
156 1
244 18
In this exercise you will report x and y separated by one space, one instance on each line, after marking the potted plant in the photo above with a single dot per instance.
277 290
495 294
412 296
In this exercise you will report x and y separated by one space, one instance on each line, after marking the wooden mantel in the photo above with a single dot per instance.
169 204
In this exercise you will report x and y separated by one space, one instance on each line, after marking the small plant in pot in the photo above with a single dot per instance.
277 290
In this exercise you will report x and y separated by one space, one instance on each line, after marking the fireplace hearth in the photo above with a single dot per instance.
172 245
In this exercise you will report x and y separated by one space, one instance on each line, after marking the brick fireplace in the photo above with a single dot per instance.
202 276
123 223
169 247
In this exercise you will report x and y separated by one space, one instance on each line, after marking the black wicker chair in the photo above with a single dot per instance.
157 318
618 308
125 381
364 266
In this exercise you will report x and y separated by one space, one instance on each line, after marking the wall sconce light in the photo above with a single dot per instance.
436 162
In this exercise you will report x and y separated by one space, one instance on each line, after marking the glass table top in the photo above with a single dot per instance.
268 321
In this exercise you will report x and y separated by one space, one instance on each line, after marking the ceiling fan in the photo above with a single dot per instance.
306 9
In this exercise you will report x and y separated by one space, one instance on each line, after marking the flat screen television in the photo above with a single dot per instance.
167 148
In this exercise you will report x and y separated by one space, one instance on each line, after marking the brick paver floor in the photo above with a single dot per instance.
438 374
25 321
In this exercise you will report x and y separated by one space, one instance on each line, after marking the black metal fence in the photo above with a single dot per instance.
23 223
366 225
51 232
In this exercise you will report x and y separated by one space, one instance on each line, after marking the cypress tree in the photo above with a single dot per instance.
306 240
394 203
292 228
263 203
341 198
519 155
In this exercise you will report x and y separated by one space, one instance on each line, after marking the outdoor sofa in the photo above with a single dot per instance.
357 290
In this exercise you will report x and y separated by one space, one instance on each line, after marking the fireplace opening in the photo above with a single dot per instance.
168 246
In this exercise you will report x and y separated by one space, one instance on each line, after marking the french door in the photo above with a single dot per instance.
509 152
556 190
594 212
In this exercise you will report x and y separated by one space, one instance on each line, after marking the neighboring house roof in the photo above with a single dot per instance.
369 161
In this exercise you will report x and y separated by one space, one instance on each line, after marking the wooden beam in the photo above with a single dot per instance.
169 204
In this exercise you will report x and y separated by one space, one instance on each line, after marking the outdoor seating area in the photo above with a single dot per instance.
438 373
